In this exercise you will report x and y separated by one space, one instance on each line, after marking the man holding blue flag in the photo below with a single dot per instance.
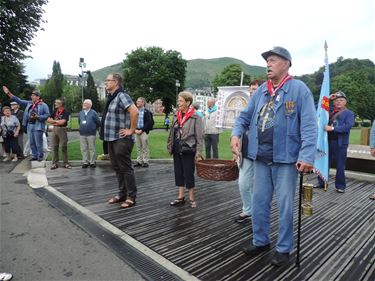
341 120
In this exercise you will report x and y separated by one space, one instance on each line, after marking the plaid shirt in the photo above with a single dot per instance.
117 116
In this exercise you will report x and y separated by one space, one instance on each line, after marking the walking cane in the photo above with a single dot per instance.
299 216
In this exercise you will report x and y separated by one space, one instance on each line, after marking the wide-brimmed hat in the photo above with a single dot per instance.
278 51
13 103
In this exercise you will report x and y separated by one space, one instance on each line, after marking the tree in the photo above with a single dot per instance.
354 77
230 76
73 99
54 85
19 21
152 73
91 92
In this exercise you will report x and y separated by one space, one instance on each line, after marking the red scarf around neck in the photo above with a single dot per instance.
181 120
272 90
58 113
36 104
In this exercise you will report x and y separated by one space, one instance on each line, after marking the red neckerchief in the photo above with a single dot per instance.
35 104
273 90
187 115
58 113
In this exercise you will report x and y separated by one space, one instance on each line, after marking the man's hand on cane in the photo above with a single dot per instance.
303 167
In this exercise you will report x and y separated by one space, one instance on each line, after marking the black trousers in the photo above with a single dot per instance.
212 140
119 153
11 145
105 147
184 168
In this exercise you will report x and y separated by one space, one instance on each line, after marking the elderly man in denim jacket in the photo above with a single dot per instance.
35 116
281 120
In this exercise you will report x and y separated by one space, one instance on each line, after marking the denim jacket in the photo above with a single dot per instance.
42 110
295 129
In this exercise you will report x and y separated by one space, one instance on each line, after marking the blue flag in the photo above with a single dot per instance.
321 165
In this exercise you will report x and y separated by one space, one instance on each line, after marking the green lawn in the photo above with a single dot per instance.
158 145
158 119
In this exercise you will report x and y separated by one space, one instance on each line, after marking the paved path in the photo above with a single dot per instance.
39 243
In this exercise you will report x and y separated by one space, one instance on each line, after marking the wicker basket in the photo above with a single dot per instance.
217 170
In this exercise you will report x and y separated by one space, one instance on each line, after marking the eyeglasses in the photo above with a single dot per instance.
108 80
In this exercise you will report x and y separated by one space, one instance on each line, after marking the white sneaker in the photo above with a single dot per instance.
4 276
4 160
15 159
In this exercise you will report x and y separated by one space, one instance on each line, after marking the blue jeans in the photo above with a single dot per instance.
245 184
36 141
281 179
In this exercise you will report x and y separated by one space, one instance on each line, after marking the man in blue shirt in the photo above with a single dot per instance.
341 120
34 118
120 122
282 139
89 122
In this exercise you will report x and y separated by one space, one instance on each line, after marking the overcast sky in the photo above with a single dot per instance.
102 32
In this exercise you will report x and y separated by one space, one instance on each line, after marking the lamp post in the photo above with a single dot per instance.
177 86
82 65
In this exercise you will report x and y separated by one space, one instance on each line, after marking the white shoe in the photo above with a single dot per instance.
15 159
4 160
4 276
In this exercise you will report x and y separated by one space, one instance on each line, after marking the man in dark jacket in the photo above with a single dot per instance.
145 124
341 120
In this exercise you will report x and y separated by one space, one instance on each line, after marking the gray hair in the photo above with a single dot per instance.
117 77
88 101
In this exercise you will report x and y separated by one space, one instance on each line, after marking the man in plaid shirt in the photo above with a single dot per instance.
121 117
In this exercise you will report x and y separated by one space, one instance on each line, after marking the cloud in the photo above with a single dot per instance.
103 31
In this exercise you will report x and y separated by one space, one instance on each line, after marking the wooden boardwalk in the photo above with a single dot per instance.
338 241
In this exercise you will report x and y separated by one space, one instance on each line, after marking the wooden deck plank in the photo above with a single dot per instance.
337 241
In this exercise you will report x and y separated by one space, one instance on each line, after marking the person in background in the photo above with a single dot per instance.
341 120
89 122
166 123
197 106
246 168
144 126
9 128
59 120
16 111
186 132
372 149
1 138
282 142
211 133
34 118
105 155
120 122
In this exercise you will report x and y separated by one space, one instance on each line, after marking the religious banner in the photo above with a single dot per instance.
231 100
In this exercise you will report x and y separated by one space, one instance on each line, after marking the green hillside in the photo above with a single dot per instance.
199 72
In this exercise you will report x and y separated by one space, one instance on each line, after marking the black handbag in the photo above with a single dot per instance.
183 148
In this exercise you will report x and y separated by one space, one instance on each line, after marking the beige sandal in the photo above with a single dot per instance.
193 204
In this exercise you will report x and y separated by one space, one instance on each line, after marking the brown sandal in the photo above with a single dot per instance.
115 200
128 203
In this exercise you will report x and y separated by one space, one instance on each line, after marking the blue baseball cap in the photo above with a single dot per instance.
278 51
